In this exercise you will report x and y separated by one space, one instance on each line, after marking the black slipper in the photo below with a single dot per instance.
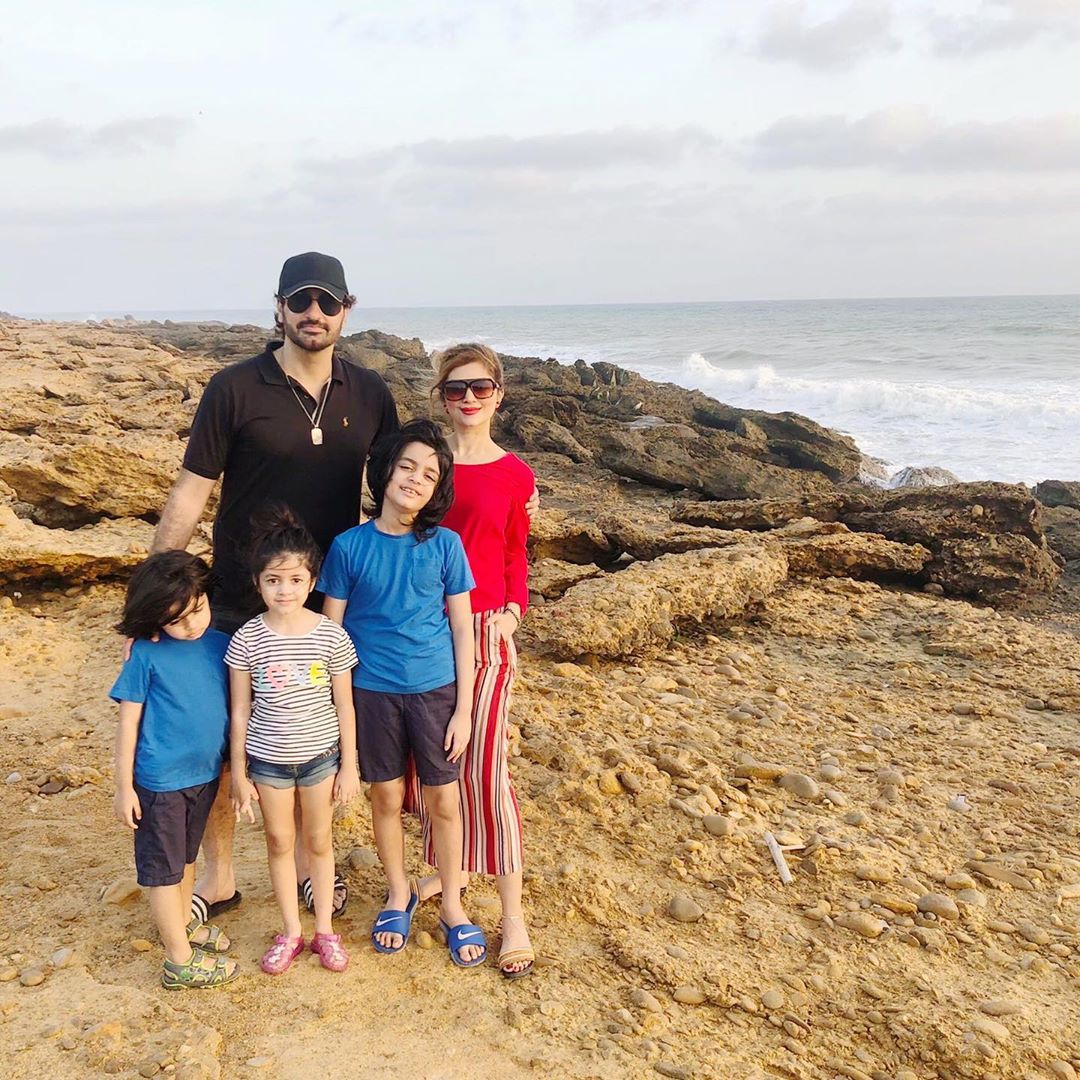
204 911
308 896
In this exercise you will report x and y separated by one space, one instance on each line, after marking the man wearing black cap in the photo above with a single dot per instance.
292 425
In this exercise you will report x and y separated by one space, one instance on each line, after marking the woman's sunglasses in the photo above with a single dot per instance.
456 389
300 301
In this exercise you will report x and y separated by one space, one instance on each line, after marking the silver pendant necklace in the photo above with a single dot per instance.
314 418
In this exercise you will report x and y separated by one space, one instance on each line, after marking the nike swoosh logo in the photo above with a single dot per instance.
382 922
463 936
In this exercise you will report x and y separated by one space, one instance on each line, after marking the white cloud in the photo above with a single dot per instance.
61 139
860 30
1005 24
912 139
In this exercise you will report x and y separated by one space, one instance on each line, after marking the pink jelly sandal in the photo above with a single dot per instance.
281 954
330 952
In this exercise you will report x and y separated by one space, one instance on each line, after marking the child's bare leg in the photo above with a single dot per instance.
387 798
445 811
277 812
218 879
171 918
515 934
317 803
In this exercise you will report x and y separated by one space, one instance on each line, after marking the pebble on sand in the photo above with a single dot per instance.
683 909
644 1000
140 945
862 923
717 824
805 787
121 892
944 907
32 977
1000 1007
689 995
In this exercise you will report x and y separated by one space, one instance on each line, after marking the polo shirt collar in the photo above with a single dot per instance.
271 372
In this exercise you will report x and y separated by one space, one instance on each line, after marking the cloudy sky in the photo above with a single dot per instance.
565 151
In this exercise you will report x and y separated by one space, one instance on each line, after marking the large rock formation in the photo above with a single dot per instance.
986 539
96 416
1059 493
33 553
638 610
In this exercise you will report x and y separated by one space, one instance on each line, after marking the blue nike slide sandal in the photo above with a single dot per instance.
390 921
457 937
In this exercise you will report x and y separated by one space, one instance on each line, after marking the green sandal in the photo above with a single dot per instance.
215 940
201 972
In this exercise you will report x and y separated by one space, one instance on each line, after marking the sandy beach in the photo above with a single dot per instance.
890 689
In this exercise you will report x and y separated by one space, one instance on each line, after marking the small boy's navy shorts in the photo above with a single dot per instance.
170 831
389 726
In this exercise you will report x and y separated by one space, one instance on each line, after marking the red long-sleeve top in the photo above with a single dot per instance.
489 515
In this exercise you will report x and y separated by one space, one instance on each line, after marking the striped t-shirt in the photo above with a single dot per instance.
293 718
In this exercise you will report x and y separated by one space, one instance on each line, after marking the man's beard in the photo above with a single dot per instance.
308 342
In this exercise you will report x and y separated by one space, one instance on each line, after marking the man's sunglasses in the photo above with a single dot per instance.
456 389
300 301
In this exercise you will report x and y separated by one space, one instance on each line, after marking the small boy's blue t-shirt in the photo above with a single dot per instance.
183 688
395 590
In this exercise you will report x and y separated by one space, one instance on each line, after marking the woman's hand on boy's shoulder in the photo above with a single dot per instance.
242 792
127 808
532 503
346 785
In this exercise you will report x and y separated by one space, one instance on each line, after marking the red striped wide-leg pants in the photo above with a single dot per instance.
491 823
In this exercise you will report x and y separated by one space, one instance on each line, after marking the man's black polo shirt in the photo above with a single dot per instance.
250 427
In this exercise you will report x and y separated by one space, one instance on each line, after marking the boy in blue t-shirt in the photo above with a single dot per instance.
170 744
400 586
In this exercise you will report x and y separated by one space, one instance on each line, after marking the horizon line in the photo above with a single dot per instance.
586 304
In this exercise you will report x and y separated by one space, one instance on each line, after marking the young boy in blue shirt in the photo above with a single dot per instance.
170 744
400 586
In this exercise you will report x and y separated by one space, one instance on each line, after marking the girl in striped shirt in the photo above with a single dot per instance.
293 730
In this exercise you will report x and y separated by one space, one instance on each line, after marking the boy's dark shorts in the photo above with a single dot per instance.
389 726
170 831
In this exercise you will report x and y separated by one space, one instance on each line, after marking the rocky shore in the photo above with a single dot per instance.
731 637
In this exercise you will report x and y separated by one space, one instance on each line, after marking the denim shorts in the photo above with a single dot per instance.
306 774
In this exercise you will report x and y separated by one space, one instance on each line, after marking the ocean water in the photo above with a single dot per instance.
986 387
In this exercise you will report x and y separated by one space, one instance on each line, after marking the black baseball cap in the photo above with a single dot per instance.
313 270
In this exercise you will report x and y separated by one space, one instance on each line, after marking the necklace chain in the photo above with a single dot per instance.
324 396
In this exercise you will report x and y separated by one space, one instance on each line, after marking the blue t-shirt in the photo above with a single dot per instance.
395 590
183 689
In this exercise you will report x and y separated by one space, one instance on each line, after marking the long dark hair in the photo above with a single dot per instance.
160 590
276 533
384 456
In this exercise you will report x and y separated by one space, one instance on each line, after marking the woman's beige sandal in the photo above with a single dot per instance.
202 972
209 938
510 958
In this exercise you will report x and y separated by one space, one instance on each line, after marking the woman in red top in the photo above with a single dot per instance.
491 488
